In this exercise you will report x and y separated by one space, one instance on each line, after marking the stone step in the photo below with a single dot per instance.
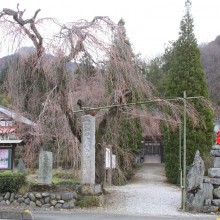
216 162
216 202
214 172
207 179
216 193
215 153
214 181
216 147
208 209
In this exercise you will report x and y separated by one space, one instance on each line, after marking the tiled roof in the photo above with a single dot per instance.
16 116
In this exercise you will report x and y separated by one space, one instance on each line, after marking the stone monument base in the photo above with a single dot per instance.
95 189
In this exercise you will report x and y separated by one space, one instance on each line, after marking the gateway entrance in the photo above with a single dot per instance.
152 152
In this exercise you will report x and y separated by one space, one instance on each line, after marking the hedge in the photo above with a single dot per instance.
11 182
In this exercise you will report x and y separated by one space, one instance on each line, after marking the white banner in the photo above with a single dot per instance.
108 159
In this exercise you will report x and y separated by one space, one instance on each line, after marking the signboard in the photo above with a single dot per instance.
5 158
108 158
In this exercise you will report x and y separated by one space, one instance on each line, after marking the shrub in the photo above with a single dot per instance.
11 182
88 201
66 174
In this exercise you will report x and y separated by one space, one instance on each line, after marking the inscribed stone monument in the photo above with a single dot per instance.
45 167
88 150
20 166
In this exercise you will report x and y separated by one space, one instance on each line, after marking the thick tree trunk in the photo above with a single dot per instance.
101 148
69 115
100 152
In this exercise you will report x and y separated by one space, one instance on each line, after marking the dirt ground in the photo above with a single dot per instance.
147 193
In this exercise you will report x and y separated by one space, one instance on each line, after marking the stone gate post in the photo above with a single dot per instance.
88 150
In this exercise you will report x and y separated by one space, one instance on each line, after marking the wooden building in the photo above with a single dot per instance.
151 144
9 125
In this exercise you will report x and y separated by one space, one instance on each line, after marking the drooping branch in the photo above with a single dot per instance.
30 29
77 48
80 33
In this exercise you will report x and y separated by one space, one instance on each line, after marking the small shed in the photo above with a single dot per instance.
9 140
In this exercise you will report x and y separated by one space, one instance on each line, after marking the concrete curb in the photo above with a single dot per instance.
16 215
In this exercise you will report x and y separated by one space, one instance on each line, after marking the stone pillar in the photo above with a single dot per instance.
45 167
197 192
88 150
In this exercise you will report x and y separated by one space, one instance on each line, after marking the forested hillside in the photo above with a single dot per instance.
210 59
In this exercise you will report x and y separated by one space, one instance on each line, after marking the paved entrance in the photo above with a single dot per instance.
148 193
152 158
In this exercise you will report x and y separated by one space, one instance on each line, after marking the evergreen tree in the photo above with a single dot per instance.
185 73
153 72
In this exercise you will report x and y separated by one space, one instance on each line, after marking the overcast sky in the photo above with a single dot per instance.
150 24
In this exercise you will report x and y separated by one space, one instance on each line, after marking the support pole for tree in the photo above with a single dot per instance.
180 163
184 152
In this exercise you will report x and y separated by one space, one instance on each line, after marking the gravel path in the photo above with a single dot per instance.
147 193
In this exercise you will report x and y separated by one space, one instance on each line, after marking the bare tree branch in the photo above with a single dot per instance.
34 36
